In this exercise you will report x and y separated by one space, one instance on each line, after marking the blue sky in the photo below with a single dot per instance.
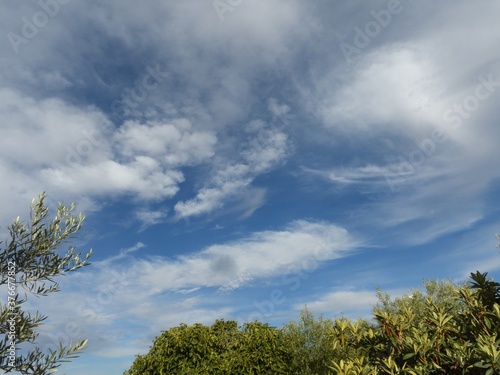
242 159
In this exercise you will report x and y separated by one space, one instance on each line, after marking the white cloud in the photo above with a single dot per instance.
393 98
278 109
343 302
220 75
419 205
75 152
143 177
36 132
264 254
265 151
176 144
123 253
144 162
151 217
394 87
368 174
129 291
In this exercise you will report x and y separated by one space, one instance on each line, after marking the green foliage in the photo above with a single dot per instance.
309 342
487 291
446 329
256 348
30 262
451 330
441 292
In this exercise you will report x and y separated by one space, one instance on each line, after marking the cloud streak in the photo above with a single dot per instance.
265 150
130 288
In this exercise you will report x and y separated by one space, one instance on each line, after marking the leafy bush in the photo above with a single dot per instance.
309 342
449 329
430 336
256 348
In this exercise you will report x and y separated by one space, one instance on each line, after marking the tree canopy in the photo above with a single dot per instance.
445 329
29 263
223 348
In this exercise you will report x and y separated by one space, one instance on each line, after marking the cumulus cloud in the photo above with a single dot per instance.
175 144
73 152
39 132
143 177
144 161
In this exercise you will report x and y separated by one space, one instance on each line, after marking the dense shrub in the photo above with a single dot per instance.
256 348
456 336
309 342
448 329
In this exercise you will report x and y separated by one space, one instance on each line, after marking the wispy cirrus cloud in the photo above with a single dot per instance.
404 149
265 150
369 174
263 254
129 289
